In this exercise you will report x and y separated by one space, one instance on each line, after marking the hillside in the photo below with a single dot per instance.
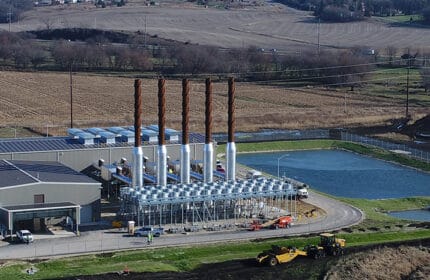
266 25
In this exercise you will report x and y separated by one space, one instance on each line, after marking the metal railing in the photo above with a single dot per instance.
275 135
394 147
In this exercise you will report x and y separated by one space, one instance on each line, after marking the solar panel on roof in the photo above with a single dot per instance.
116 129
62 143
96 131
74 131
153 127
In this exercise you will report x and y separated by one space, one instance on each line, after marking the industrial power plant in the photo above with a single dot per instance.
203 201
173 177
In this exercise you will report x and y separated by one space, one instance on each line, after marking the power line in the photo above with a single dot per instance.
288 70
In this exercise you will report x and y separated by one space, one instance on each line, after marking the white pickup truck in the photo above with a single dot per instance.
24 236
302 192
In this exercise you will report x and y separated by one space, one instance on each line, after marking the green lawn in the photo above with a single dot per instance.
375 210
401 18
182 258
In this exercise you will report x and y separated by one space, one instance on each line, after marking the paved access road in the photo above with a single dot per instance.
339 215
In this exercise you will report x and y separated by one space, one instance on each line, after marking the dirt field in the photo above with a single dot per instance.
269 25
43 99
390 262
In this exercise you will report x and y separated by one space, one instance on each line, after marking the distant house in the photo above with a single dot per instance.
43 3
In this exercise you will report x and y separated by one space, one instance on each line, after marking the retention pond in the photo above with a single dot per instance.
342 173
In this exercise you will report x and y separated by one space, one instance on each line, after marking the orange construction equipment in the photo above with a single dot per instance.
281 222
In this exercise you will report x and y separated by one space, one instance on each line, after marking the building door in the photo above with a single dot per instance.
39 198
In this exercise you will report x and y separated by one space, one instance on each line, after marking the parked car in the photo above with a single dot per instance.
145 230
253 174
24 236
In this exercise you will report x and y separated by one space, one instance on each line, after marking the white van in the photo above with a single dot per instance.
253 174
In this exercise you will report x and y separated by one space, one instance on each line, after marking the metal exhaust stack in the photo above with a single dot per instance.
137 179
208 148
162 152
185 148
231 146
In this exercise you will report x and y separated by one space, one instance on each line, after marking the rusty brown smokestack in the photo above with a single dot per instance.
231 146
185 148
137 112
208 148
185 110
231 107
208 119
137 173
161 111
162 152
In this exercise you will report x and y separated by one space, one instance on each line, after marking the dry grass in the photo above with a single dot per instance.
40 99
384 263
269 26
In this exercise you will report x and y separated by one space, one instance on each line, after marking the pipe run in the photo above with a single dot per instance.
208 148
137 179
185 164
185 149
162 165
231 161
162 152
137 164
231 146
208 162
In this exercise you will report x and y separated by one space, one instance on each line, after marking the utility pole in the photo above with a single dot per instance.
407 87
144 35
71 96
9 16
318 34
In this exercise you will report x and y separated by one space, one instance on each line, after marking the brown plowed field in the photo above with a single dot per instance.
40 99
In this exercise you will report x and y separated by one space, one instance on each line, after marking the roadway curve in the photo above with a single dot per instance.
339 215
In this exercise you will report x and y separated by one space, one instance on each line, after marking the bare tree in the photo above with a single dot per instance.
391 53
37 57
140 60
425 78
48 22
21 55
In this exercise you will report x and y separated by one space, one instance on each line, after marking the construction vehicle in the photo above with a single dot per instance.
329 245
332 246
281 222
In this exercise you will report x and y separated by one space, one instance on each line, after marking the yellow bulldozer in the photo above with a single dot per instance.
329 245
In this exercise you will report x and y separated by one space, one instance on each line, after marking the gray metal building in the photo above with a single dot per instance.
79 156
31 191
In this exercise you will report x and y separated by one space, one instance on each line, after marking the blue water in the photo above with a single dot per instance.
415 215
343 173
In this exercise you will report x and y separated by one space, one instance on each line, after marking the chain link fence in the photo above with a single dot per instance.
274 135
398 148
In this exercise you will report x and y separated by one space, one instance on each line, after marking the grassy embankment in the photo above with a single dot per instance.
182 258
188 258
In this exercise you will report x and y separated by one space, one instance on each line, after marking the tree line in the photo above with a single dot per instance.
93 50
351 10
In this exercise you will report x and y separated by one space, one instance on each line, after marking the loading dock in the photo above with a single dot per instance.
12 216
